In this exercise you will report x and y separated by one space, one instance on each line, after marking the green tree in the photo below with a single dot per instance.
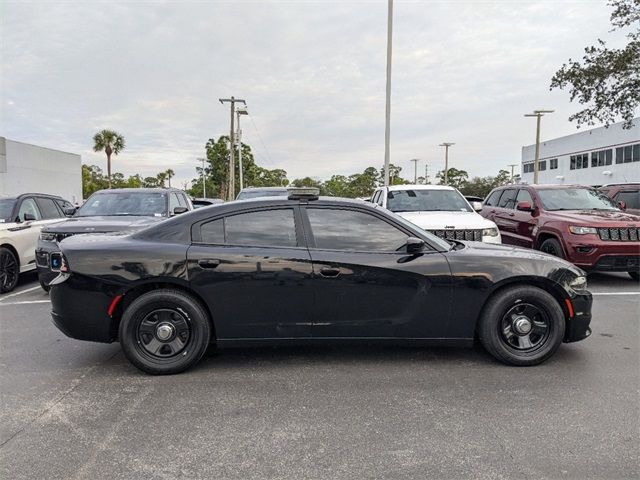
607 80
170 174
457 178
92 180
112 143
394 175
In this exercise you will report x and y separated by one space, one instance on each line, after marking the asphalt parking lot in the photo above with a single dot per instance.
75 410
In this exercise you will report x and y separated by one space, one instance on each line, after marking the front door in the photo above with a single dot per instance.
254 272
365 283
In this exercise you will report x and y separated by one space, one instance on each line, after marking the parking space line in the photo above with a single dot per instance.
20 292
28 302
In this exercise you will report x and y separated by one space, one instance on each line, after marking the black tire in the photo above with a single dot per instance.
516 304
634 275
552 247
175 311
9 270
44 286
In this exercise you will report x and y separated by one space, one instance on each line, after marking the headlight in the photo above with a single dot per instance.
47 237
490 232
582 230
578 284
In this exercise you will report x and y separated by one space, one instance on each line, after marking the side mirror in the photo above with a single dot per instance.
69 211
414 245
524 207
28 217
477 206
179 210
622 205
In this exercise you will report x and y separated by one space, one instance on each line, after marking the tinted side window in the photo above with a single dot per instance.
275 228
29 206
48 208
492 201
632 199
213 232
508 199
524 196
354 231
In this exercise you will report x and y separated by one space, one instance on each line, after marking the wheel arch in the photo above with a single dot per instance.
13 250
132 292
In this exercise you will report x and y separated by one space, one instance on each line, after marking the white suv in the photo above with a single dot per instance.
439 209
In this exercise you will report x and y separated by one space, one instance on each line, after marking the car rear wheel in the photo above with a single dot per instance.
634 275
9 270
522 326
164 332
552 247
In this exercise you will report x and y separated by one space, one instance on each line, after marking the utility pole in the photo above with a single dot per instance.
231 190
240 111
387 113
512 165
538 114
204 185
426 173
415 170
446 146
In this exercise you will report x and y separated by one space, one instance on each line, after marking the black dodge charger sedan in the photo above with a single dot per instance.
303 269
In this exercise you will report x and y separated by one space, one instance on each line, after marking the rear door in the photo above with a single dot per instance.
365 283
254 271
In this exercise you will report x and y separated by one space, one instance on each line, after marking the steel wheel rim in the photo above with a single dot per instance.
8 270
164 333
525 327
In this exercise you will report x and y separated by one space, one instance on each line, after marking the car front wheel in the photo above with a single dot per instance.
164 332
522 326
552 247
9 270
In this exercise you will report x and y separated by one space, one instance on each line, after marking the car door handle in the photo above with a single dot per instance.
209 262
512 214
329 272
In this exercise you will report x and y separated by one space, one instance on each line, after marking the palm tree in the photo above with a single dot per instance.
170 173
112 143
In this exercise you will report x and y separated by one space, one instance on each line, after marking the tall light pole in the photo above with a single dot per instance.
387 112
240 111
446 146
204 185
415 170
232 166
512 165
538 114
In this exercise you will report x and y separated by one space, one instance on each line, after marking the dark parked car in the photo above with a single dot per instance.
106 211
569 221
257 192
625 195
304 270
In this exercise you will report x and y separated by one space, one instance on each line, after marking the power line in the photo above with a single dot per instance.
260 138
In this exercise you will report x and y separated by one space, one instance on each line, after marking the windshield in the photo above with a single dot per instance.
120 203
427 201
6 207
575 199
246 194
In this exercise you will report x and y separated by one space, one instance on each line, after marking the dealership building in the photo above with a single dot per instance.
593 157
26 168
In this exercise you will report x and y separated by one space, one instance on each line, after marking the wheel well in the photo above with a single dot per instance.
548 286
546 236
8 246
130 295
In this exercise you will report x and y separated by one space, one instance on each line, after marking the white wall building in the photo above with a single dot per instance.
26 168
592 157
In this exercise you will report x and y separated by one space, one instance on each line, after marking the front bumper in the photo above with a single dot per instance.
591 253
578 325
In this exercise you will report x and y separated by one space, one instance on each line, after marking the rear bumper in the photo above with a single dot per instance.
80 312
578 326
43 261
610 256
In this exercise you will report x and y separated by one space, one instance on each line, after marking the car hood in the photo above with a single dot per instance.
447 220
103 224
595 217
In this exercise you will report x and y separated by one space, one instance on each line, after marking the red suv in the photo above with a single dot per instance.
627 195
573 222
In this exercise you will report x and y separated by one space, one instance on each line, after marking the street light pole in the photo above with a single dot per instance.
240 111
415 170
512 165
387 114
538 114
204 185
446 146
232 170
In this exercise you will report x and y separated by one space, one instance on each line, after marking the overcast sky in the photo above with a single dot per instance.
313 75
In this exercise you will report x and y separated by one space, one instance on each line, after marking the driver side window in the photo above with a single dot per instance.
29 207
